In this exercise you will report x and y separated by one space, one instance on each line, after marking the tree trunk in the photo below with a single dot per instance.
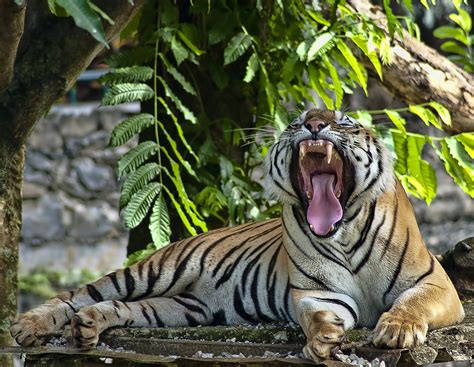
11 174
419 74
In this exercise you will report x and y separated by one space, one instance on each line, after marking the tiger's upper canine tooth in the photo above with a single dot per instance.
302 151
329 152
309 195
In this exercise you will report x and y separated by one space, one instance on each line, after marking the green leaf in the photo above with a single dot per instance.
178 77
336 82
314 79
290 67
302 49
453 47
125 130
182 215
137 180
409 5
53 8
127 92
467 140
463 19
140 255
425 115
458 173
442 111
421 172
103 14
85 18
236 47
140 204
362 43
252 67
189 43
392 22
130 57
354 64
451 32
131 160
131 74
398 120
160 229
187 113
320 45
459 153
180 53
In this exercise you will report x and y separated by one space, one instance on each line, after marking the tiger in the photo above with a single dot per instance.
346 252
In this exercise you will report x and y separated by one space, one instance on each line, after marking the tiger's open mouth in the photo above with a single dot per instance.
322 184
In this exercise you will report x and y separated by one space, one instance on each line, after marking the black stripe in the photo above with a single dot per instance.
340 303
158 320
113 278
145 314
239 307
94 293
230 269
392 229
69 304
271 298
180 269
218 318
191 320
309 276
190 306
365 231
428 272
286 302
369 251
254 294
152 276
193 297
399 267
129 283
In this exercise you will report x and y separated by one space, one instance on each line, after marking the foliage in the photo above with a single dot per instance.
218 74
461 42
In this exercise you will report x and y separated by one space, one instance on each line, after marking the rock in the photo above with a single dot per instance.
74 127
45 221
94 177
32 190
39 161
93 221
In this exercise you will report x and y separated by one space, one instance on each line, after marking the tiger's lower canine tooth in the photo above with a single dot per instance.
311 227
329 152
309 195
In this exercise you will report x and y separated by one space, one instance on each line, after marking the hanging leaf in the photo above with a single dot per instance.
127 92
252 67
180 52
336 82
397 120
124 131
400 147
425 115
131 74
135 157
189 43
467 140
451 32
236 47
130 57
137 180
354 64
160 229
178 77
321 45
459 153
140 204
85 18
179 210
442 111
187 113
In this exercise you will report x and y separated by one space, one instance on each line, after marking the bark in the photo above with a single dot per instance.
51 55
418 74
11 29
11 162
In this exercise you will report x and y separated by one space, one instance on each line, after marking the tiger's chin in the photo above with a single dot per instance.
324 182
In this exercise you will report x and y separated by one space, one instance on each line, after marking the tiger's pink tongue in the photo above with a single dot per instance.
324 209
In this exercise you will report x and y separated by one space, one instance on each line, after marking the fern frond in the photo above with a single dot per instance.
130 57
236 47
127 92
136 156
187 113
131 74
137 180
140 204
160 223
125 130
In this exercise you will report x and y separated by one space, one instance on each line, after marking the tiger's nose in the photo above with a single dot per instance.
315 126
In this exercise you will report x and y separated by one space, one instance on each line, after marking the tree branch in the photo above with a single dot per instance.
11 30
418 74
55 53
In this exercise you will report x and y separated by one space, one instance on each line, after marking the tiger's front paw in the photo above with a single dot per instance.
33 327
85 328
399 331
326 334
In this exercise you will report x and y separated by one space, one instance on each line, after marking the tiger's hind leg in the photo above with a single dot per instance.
181 310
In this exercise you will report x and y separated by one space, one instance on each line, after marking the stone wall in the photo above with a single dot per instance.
70 193
70 213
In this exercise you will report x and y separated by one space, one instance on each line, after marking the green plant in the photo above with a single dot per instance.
218 75
460 42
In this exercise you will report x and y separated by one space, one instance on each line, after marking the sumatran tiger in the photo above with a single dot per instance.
346 252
